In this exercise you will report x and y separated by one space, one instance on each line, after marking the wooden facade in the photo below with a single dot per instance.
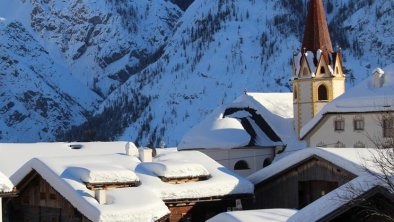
197 210
38 201
377 204
300 184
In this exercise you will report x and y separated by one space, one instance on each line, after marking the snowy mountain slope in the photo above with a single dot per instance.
58 52
38 98
220 48
103 42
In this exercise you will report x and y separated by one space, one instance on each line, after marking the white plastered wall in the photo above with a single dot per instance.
326 134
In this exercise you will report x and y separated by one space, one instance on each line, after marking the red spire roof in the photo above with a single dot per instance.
316 35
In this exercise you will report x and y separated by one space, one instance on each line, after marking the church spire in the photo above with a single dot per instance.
316 35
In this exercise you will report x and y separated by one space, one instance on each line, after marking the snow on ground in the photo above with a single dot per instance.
353 160
5 184
264 215
336 198
14 155
362 98
226 133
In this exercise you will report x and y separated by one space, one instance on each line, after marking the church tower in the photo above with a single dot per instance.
318 75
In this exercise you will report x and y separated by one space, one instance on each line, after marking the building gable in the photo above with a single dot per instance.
300 184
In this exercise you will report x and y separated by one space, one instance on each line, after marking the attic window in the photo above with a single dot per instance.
241 165
111 185
183 179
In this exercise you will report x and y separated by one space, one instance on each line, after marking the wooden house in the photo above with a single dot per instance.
7 192
304 176
365 198
173 186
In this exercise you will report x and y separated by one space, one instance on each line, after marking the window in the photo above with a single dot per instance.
359 144
388 127
358 123
336 70
339 124
267 162
241 165
322 70
322 93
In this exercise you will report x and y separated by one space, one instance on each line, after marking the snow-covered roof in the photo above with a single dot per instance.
222 181
5 184
365 97
69 174
124 204
14 155
227 131
353 160
263 215
336 198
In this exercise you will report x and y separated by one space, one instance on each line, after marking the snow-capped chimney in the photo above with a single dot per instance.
378 78
101 196
145 154
131 149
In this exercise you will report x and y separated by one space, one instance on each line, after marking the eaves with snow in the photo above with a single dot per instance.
71 170
354 160
253 119
375 94
5 184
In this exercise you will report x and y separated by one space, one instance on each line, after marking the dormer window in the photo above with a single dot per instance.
322 70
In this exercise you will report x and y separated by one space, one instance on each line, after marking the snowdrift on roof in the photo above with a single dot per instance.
5 184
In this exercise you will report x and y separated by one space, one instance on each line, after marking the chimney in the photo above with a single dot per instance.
145 154
378 78
131 149
101 196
